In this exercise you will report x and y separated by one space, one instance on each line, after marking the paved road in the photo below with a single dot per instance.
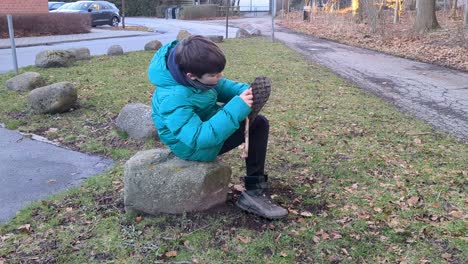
435 94
166 31
31 170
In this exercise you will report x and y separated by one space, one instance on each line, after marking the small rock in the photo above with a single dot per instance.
156 181
135 119
153 45
25 82
183 34
215 38
247 32
115 50
54 98
54 58
81 53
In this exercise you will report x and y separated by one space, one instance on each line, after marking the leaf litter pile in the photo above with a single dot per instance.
447 46
362 181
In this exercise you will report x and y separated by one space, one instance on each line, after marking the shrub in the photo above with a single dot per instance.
200 11
46 24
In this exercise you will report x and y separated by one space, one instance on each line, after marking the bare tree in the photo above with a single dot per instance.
357 10
425 16
454 9
396 18
465 20
409 5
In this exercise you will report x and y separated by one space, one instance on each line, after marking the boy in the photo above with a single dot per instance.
189 80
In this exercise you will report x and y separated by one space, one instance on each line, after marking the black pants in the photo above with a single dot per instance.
258 140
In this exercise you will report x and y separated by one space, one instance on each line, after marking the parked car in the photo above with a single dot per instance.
55 5
102 12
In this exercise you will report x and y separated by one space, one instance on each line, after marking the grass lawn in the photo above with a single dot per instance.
363 182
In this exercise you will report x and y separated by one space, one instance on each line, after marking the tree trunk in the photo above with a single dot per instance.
357 10
425 16
465 20
396 18
454 9
409 5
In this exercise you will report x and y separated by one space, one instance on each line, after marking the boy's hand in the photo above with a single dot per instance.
247 96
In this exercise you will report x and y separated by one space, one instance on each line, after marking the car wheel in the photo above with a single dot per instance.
114 22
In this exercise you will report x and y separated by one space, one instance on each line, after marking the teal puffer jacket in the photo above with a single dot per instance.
189 121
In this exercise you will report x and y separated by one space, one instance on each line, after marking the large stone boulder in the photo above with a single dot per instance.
54 98
135 119
215 38
115 50
25 82
156 181
247 32
54 58
183 34
81 53
153 45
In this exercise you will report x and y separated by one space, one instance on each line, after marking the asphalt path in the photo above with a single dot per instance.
31 170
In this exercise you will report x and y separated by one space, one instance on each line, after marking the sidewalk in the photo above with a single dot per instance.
93 35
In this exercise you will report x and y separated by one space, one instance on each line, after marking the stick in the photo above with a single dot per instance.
245 151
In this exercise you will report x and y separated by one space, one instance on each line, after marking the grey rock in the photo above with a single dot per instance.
183 34
156 181
81 53
215 38
115 50
54 98
135 119
25 82
54 58
247 32
153 45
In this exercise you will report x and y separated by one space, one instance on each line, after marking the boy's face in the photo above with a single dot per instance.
207 78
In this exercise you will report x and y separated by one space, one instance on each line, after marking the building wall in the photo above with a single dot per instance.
23 6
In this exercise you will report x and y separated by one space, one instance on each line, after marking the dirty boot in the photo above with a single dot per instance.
257 202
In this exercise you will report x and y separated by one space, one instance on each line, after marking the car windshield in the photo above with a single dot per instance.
77 6
64 6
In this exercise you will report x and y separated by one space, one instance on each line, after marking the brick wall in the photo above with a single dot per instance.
23 6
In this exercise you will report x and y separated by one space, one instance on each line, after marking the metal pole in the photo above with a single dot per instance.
123 13
273 14
12 42
227 17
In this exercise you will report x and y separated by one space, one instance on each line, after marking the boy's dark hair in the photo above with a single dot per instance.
199 55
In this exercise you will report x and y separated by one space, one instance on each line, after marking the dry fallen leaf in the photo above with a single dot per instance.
172 253
417 141
294 233
306 214
413 200
68 209
316 239
345 251
243 239
25 228
293 211
283 254
456 214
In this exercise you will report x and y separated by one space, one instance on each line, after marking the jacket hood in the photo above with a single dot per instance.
158 73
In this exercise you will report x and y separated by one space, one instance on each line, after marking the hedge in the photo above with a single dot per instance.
46 24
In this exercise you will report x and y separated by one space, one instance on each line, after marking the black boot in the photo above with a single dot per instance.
255 199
